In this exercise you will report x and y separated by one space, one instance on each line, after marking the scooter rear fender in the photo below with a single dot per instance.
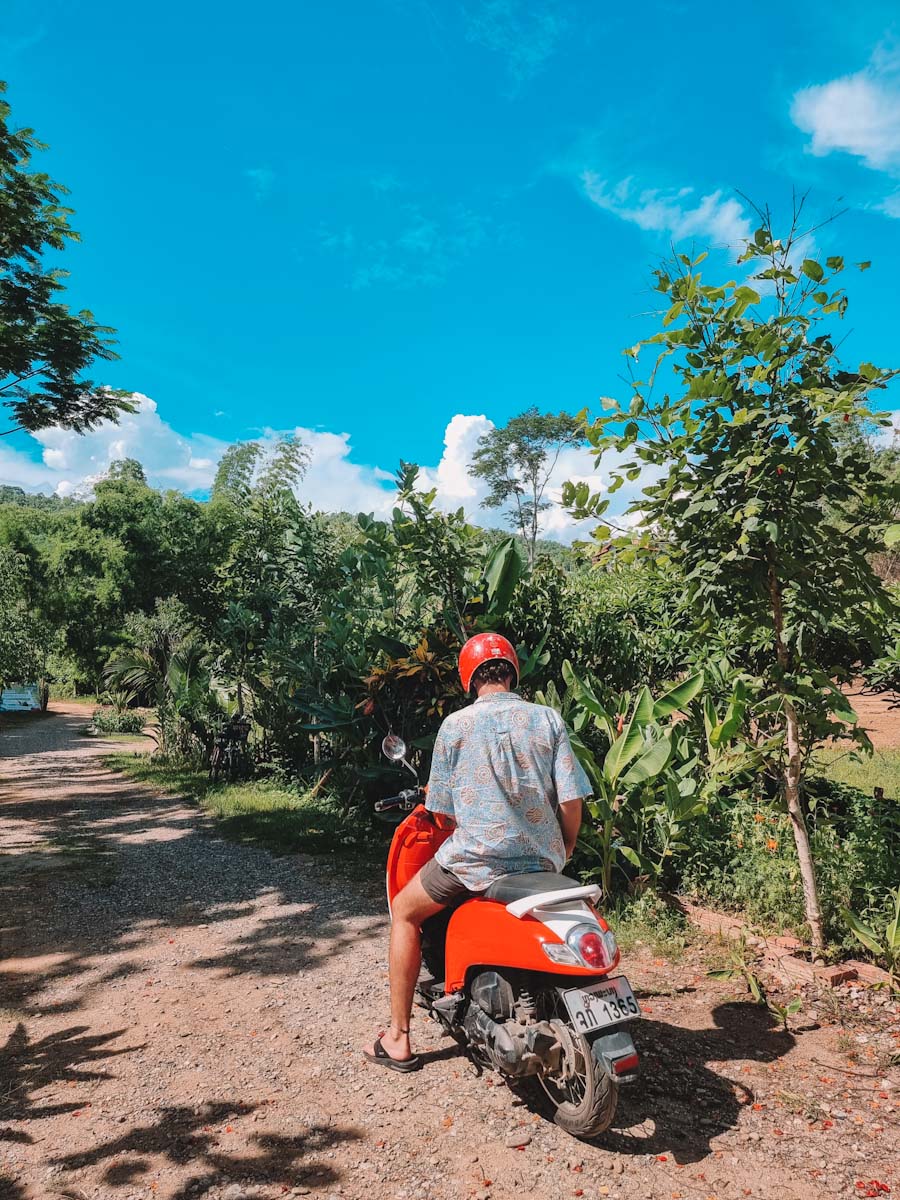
482 933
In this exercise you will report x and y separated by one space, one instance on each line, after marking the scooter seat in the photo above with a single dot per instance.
509 888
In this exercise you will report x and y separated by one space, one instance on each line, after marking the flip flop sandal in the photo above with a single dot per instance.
382 1059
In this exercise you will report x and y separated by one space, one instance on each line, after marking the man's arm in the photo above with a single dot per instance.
570 823
439 794
572 787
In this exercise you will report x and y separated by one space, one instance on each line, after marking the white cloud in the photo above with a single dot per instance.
525 34
714 218
403 246
858 114
456 487
334 482
69 461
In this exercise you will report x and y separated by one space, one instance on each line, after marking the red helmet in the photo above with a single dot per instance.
482 648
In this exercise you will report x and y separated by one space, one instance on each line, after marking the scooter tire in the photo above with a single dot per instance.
592 1110
595 1113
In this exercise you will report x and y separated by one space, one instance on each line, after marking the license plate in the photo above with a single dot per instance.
601 1004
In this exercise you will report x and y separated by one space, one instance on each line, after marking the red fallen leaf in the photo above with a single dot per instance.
828 1124
662 1158
646 1008
229 1129
171 941
578 1168
758 1107
579 1192
778 1132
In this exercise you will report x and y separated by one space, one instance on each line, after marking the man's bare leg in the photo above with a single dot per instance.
411 907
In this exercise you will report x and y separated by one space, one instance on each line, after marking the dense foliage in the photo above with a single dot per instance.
695 658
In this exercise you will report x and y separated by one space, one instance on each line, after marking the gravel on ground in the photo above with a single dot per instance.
182 1016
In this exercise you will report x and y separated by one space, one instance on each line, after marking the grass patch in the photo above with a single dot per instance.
90 732
860 771
260 812
648 922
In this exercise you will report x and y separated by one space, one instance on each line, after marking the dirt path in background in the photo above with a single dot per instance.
181 1016
878 715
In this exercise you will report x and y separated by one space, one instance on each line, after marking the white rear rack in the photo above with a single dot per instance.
521 908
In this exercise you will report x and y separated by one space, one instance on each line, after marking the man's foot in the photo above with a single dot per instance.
393 1051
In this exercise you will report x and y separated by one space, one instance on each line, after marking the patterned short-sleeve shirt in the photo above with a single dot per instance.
500 769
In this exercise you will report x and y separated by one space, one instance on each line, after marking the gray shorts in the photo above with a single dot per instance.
442 885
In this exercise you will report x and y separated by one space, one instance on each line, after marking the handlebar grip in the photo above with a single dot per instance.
408 800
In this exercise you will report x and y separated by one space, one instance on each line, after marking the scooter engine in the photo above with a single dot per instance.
513 1044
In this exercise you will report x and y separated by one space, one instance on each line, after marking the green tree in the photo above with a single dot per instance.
23 638
756 494
44 347
517 460
258 584
126 469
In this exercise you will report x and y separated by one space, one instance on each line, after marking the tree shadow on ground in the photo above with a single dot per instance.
188 1136
171 871
68 1056
683 1102
10 1189
679 1103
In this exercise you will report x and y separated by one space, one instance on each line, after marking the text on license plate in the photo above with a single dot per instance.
601 1004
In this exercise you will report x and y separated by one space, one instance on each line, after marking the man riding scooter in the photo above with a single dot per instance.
503 770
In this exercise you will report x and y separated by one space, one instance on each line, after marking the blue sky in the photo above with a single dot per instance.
368 218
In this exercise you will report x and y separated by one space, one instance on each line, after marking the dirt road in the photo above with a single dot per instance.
181 1016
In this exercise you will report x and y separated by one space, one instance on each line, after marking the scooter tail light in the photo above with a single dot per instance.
627 1065
594 946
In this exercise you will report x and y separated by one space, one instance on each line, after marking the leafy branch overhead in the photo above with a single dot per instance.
45 348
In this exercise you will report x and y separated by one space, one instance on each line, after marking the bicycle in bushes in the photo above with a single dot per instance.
230 758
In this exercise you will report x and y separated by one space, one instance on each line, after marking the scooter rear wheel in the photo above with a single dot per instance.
582 1092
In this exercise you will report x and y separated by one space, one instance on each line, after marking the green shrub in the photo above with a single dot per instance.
742 858
117 720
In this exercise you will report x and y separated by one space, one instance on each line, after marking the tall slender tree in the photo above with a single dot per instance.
756 493
517 461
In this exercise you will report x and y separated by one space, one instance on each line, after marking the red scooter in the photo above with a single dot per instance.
524 976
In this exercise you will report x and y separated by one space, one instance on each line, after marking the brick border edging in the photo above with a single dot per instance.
776 951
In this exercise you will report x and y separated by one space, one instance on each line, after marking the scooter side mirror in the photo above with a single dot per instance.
393 748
